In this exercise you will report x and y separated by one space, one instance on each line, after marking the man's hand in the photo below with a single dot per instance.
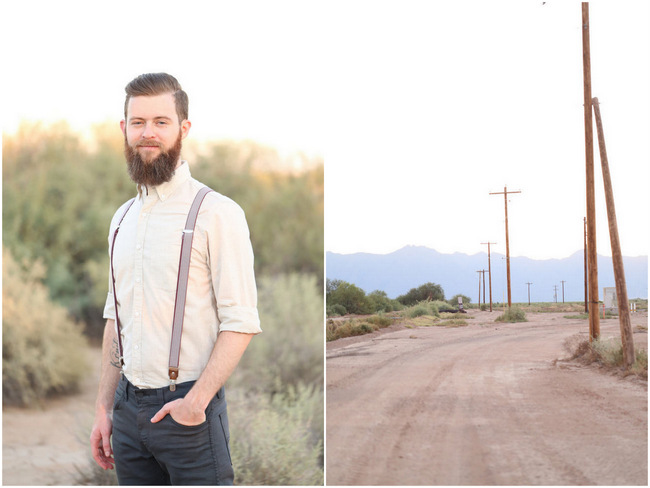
100 441
182 411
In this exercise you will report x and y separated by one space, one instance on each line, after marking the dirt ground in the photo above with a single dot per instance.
485 404
47 446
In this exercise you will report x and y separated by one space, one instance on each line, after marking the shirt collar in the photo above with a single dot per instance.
165 190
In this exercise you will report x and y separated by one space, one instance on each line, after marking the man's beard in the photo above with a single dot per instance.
156 171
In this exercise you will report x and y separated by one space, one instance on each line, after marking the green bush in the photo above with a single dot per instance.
428 291
336 310
418 311
42 348
513 314
278 441
350 296
290 350
453 301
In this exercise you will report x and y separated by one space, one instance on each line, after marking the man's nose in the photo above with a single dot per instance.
148 132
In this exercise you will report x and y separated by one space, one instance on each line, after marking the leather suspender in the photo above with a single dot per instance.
181 285
117 318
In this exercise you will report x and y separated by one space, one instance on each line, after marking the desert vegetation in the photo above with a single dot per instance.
59 193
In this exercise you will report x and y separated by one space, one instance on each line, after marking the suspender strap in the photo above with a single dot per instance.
181 285
117 319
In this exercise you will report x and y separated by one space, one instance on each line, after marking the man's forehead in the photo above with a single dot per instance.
152 106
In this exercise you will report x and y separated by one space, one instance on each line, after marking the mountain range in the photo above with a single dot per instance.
396 273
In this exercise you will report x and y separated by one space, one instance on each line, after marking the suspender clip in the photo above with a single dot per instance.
173 376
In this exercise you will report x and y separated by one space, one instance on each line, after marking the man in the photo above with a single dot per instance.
170 428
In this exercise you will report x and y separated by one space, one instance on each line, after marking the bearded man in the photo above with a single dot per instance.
162 399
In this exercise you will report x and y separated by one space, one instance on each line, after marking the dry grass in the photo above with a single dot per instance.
606 353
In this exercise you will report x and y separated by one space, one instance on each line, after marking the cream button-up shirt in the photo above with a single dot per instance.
221 291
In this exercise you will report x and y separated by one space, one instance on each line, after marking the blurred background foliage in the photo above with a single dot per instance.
60 190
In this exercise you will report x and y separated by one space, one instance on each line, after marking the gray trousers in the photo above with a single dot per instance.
168 453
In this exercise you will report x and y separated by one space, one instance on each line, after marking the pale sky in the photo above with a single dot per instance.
419 108
441 103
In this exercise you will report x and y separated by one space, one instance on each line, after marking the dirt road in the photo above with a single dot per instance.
485 404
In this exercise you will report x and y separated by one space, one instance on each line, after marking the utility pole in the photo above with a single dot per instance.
586 285
594 320
505 198
489 270
528 283
483 271
555 293
563 290
617 255
479 289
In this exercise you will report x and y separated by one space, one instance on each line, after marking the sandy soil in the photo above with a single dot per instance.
47 446
486 404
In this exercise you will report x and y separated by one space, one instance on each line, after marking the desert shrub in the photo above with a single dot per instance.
350 296
380 320
42 348
336 310
513 314
381 303
427 291
453 301
278 440
418 311
290 350
608 353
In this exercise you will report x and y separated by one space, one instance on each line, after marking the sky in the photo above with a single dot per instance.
420 109
442 103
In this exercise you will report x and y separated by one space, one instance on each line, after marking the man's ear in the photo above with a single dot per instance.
185 128
123 126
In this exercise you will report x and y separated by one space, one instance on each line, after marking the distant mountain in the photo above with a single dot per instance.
396 273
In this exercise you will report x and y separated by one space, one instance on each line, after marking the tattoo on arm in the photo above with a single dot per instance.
115 355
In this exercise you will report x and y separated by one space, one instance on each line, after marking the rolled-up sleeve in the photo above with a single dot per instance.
231 267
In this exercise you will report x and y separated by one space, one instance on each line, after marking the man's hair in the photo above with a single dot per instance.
151 84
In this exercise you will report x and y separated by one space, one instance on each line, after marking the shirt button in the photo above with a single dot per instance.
138 247
138 280
137 347
137 314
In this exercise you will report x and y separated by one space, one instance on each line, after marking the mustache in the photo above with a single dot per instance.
148 143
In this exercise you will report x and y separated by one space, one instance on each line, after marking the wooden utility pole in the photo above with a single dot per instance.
592 265
483 271
505 198
555 293
563 281
489 270
586 285
479 289
617 255
528 283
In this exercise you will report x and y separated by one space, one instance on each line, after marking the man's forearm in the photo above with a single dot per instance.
227 352
111 367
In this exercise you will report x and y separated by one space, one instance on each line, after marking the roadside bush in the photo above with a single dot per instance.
350 296
513 314
336 310
608 353
381 303
428 291
453 301
42 347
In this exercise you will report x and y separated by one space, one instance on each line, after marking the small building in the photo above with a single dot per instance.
609 300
